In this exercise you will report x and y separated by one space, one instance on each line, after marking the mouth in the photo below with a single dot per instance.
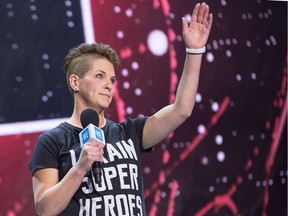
106 95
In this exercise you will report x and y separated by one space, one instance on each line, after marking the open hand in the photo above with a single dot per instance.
196 33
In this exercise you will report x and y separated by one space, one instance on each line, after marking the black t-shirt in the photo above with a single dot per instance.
121 190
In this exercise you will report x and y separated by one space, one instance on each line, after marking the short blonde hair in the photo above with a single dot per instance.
78 59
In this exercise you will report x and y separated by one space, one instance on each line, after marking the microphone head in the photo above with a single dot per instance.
89 116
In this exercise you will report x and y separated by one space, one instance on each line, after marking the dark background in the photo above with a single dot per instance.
241 101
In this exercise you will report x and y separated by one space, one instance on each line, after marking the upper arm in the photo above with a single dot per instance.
160 125
42 180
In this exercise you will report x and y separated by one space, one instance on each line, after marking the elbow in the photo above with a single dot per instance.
188 113
183 110
44 211
185 113
40 210
182 117
185 116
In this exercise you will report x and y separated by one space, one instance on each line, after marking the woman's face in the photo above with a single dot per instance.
96 86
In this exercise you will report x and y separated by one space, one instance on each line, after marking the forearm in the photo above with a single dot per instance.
188 85
166 120
56 198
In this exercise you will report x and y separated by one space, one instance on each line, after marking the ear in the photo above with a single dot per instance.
74 82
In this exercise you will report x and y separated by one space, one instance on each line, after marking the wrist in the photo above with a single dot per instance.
80 170
195 51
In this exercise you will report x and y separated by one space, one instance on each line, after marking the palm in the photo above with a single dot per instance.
196 34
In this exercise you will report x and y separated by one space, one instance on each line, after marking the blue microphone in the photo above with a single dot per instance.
90 120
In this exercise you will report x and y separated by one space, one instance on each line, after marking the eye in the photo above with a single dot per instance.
99 75
113 80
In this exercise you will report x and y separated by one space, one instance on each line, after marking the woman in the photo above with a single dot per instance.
62 183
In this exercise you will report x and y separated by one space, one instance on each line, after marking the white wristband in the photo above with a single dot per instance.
196 51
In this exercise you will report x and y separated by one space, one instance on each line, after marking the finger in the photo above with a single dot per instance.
195 13
201 12
96 143
209 21
103 145
184 25
206 15
98 155
93 149
94 154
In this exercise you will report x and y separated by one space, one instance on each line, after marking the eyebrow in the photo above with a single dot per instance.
103 72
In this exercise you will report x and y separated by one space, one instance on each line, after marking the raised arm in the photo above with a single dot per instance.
166 120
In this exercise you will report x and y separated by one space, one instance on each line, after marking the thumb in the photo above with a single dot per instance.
184 24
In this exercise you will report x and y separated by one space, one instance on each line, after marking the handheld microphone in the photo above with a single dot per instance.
90 120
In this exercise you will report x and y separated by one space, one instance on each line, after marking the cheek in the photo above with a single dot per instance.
89 84
113 91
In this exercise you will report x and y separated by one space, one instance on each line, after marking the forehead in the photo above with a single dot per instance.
102 64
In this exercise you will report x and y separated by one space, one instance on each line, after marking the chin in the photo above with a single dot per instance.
104 105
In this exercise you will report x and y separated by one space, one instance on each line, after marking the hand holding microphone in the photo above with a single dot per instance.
89 135
92 151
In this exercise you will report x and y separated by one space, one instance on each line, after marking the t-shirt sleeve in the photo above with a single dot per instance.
139 125
45 154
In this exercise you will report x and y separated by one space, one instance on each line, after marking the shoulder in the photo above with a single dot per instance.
62 130
64 127
130 122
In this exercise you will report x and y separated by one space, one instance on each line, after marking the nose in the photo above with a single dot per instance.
109 84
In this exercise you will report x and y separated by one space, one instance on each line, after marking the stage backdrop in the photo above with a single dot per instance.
229 157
